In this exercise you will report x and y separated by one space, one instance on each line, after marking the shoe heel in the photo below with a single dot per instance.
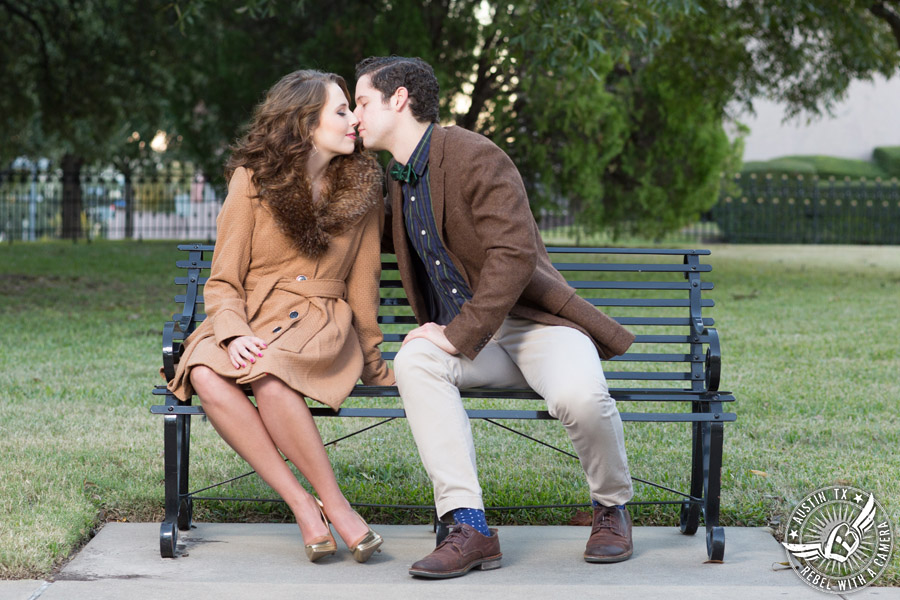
368 545
322 548
490 565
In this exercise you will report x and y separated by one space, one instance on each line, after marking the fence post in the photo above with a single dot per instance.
71 197
128 197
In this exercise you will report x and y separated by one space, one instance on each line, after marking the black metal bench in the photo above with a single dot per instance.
676 348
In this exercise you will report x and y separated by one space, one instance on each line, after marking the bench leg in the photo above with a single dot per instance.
186 504
176 434
712 451
440 529
690 511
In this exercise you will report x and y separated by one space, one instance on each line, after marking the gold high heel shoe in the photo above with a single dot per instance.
368 545
326 546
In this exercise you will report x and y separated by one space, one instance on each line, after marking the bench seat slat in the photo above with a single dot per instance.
644 251
655 395
186 280
193 264
648 375
671 339
637 285
632 267
481 413
595 301
662 321
657 302
609 267
707 321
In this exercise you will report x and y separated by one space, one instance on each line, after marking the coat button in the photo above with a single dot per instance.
276 330
294 314
301 277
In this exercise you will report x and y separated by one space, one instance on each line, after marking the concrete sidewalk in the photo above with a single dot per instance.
248 561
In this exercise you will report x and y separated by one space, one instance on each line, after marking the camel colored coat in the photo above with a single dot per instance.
482 215
318 316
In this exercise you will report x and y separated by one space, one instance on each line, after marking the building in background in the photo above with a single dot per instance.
868 117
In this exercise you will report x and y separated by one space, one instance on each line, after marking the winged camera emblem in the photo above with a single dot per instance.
843 540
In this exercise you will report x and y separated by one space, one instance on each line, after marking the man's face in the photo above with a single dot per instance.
376 119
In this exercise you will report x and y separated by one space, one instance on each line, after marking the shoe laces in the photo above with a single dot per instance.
457 536
606 520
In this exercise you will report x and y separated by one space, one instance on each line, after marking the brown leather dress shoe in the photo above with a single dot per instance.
610 539
461 551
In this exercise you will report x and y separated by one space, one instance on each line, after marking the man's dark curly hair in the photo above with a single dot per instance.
391 72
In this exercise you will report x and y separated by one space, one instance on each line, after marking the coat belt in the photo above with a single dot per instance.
309 288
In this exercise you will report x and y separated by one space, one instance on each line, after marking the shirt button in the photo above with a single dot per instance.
412 198
437 262
423 232
453 291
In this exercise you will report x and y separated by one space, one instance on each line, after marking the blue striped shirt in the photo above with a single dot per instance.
445 289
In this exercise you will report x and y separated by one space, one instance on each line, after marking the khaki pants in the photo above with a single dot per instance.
559 363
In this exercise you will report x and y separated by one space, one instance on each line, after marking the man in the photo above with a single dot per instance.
492 312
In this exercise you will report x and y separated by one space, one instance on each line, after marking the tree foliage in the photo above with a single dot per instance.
615 108
79 76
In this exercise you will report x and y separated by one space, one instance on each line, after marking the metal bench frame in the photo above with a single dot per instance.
700 381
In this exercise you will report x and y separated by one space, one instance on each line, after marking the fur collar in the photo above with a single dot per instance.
352 186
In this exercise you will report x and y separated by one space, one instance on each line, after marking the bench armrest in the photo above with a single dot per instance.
170 353
713 360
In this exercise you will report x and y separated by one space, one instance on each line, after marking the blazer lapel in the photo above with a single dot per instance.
436 175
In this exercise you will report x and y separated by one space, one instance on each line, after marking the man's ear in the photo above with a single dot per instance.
400 99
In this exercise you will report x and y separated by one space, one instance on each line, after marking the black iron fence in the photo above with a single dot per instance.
169 204
180 204
808 210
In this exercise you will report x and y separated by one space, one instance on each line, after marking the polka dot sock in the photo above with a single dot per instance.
473 517
620 506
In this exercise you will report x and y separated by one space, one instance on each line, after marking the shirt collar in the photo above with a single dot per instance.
419 158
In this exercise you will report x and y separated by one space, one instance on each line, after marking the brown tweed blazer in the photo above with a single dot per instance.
482 213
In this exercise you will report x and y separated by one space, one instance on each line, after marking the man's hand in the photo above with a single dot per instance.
244 348
433 333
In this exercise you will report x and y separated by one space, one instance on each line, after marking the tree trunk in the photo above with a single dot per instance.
129 204
71 197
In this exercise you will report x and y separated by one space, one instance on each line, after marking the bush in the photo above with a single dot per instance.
823 166
779 166
888 158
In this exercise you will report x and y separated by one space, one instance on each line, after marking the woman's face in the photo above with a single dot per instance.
335 133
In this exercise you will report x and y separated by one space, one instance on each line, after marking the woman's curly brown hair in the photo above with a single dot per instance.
279 135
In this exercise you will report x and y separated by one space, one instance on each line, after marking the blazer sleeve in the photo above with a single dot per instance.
224 294
493 192
363 297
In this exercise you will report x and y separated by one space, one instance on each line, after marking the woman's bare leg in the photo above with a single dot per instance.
291 426
238 422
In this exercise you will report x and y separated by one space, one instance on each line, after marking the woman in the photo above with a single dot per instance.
292 298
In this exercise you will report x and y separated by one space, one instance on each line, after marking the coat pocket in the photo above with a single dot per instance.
291 332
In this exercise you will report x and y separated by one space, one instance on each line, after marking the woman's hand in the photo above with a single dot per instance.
244 348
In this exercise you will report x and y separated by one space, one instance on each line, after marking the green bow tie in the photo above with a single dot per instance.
404 173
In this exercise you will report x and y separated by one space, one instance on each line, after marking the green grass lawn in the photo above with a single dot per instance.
810 341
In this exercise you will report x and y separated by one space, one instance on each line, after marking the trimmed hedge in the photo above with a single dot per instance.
823 166
888 159
779 166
